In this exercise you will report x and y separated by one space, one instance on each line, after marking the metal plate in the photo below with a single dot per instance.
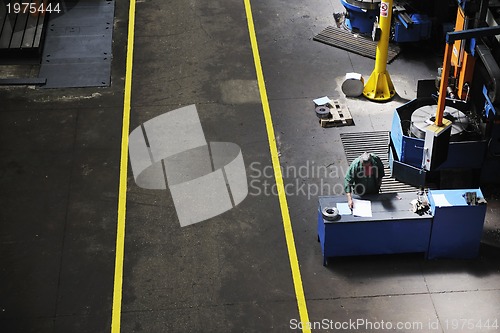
352 87
420 120
22 81
78 46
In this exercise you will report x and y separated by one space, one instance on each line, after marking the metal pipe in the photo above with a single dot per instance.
379 86
443 85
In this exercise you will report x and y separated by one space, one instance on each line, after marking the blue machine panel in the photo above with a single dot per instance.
412 149
457 227
465 155
397 135
420 29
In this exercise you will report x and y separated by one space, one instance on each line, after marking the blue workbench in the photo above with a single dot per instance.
452 228
393 228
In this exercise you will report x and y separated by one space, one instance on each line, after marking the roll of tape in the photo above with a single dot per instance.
330 213
322 111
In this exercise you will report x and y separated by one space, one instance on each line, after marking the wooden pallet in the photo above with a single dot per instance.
339 116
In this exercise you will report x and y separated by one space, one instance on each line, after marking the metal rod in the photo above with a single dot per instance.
443 85
472 33
450 38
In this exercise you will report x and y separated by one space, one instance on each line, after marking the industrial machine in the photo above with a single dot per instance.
451 138
447 140
408 25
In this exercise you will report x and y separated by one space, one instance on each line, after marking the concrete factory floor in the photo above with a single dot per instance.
59 176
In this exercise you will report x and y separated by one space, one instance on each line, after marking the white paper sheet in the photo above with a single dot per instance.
362 208
343 208
322 101
440 200
353 76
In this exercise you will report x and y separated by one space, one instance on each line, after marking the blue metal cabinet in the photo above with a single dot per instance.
457 227
393 228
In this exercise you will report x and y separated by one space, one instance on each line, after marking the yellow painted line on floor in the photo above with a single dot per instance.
122 191
287 224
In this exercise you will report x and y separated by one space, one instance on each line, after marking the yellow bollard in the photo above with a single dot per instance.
379 86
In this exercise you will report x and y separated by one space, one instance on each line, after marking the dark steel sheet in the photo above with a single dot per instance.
22 81
78 46
90 74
